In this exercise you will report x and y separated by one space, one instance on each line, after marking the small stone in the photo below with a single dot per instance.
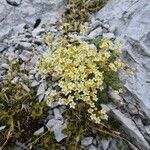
92 147
112 145
87 141
34 83
41 89
50 112
37 31
24 58
131 129
5 66
109 35
54 104
95 24
41 97
37 76
32 71
38 41
34 60
57 126
106 26
31 77
97 32
94 141
2 128
105 144
49 117
61 109
133 110
24 45
22 66
57 114
40 131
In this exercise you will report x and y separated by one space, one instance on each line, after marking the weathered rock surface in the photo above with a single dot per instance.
33 13
129 20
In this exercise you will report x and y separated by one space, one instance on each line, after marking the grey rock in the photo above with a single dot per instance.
61 109
87 141
106 26
41 97
24 58
22 66
50 112
28 12
5 66
37 76
92 147
95 24
129 20
37 31
57 114
57 126
3 47
97 32
105 144
109 35
34 83
41 89
24 45
131 129
2 128
34 60
133 109
31 77
25 55
148 129
113 145
55 104
50 116
38 40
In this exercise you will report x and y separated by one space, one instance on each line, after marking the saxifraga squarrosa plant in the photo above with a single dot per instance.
82 74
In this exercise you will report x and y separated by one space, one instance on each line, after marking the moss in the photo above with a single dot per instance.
20 110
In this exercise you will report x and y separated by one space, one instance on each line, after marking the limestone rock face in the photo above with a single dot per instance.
30 12
129 20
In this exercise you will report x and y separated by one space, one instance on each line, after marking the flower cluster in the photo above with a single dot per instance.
79 71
